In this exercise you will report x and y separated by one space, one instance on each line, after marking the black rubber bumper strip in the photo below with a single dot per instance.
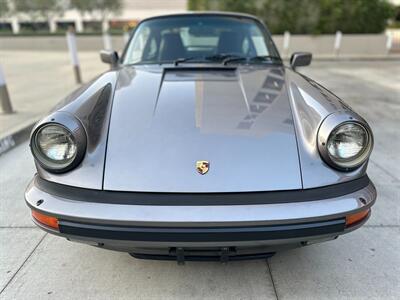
203 258
208 234
240 198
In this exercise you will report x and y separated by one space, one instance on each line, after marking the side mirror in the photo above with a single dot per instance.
109 57
300 59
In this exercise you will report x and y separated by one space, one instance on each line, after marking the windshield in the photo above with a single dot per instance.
200 39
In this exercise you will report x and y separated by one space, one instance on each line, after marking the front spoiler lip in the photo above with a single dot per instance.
200 216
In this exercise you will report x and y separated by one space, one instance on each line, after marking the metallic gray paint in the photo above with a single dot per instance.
238 120
92 106
191 216
201 216
311 104
280 119
148 125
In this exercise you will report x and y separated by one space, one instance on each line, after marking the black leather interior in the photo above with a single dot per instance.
171 47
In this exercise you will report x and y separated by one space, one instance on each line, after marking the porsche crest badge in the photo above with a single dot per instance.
202 166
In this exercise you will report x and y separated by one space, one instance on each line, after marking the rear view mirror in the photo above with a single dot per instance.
109 57
300 59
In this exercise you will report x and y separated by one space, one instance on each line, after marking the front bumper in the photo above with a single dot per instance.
158 228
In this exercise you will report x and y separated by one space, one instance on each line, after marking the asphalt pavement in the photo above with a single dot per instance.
360 265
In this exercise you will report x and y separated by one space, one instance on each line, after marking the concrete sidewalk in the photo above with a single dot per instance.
36 81
364 264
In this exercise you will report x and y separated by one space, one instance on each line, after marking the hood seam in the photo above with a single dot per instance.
108 129
290 98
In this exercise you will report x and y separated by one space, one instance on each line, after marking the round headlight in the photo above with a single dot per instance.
59 147
347 141
347 146
56 144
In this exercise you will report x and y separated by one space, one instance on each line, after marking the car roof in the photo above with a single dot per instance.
204 13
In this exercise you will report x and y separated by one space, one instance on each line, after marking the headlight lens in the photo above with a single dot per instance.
56 144
347 141
59 142
349 145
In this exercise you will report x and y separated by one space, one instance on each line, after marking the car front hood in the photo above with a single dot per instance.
165 120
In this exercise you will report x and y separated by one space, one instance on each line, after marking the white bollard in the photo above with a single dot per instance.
15 25
4 96
73 51
286 42
389 42
107 44
338 42
79 25
105 26
52 25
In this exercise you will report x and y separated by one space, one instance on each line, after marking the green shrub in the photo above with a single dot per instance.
295 16
310 16
355 16
327 16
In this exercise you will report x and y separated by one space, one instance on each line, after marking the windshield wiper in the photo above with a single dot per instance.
261 58
184 59
216 57
222 56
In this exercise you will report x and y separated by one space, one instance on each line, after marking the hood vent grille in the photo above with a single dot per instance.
202 68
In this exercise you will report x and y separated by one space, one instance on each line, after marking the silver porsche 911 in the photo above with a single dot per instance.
200 144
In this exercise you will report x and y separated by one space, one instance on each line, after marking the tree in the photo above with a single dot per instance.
247 6
101 7
4 8
310 16
198 5
327 16
356 16
39 8
291 15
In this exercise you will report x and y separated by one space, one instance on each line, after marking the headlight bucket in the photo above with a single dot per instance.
345 141
58 142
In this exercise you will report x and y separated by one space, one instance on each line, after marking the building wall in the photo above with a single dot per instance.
133 10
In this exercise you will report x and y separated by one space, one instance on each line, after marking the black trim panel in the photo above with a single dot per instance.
240 198
208 234
203 258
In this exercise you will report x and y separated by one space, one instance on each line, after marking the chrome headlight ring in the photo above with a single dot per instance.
58 142
351 135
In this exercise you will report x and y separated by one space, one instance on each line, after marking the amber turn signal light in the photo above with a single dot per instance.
45 220
354 218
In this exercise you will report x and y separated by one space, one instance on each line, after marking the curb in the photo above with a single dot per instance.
375 58
16 138
351 58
